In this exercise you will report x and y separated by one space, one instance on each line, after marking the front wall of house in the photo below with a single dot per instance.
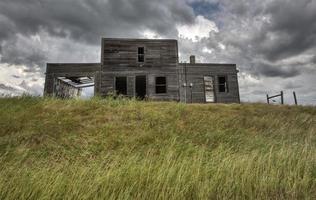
194 73
120 59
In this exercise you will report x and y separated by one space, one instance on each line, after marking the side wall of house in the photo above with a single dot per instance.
194 73
119 57
54 70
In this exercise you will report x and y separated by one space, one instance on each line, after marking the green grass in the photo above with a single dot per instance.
126 149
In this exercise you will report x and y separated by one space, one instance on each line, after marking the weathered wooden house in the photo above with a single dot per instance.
145 68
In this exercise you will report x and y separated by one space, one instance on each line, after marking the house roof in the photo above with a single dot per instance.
78 82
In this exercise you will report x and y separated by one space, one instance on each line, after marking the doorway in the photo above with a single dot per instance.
140 87
121 85
209 89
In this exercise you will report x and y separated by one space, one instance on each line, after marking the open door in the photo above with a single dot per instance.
209 89
140 87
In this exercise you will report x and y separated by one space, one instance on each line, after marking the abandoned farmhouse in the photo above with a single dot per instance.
145 68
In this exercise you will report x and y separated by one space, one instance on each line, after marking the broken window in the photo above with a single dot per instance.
141 54
222 84
161 85
121 85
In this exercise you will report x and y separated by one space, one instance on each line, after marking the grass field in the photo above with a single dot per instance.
126 149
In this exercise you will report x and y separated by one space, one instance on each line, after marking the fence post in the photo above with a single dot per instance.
295 100
282 100
268 99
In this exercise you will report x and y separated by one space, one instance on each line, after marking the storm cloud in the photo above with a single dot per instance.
86 21
271 41
292 28
82 21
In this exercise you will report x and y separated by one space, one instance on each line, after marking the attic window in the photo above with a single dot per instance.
161 85
141 54
222 84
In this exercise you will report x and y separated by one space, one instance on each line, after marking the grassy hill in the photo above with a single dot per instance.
125 149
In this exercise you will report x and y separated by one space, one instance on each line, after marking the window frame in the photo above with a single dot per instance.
141 54
221 84
161 85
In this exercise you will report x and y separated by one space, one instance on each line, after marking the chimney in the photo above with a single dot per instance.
192 59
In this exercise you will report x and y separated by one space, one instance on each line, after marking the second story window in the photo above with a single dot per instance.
141 54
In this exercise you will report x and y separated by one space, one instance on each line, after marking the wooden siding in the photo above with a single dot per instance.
120 58
195 74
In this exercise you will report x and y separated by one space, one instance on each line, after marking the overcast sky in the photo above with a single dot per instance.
273 42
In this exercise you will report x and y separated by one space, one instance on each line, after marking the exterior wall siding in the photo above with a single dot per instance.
194 73
119 57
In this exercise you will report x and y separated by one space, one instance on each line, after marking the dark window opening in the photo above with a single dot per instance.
121 85
161 85
222 84
141 54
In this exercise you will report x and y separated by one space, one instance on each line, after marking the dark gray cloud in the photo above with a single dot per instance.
19 51
271 70
292 28
89 20
259 32
81 21
313 61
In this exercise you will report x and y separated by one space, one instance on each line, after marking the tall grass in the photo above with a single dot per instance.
126 149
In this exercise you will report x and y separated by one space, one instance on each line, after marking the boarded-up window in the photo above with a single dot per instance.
121 85
222 84
161 85
141 54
